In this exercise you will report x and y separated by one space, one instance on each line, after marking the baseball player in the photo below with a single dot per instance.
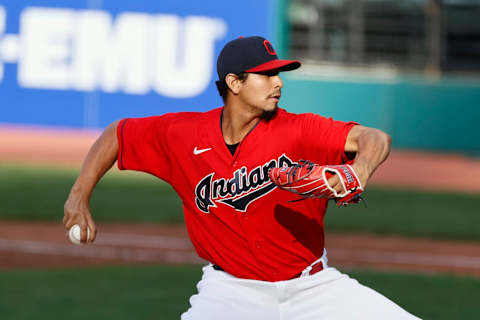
239 172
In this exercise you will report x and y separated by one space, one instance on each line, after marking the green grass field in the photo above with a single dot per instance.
39 194
162 292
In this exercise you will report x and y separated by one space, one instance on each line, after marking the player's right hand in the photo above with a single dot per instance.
77 211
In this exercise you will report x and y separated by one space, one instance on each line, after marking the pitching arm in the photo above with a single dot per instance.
99 160
372 147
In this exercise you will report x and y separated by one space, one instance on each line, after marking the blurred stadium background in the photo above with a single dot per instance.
68 69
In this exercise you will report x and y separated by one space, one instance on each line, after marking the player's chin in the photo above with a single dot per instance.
269 113
271 105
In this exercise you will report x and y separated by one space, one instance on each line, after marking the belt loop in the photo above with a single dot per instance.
323 260
306 271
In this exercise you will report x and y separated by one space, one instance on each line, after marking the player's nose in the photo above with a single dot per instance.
277 81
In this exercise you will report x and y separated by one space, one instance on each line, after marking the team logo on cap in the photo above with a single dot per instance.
269 47
239 191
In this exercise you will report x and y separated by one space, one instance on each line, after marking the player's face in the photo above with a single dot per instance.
261 92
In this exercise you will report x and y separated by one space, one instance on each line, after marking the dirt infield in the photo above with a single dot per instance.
44 245
33 245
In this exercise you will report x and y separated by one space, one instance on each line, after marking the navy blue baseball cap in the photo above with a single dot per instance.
250 54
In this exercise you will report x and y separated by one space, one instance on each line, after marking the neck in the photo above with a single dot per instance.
237 122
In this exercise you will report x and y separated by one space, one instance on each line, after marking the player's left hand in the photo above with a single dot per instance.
309 180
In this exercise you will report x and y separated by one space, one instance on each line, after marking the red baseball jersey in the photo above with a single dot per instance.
236 217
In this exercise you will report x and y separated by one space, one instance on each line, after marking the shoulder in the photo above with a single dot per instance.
177 119
311 123
190 121
189 116
300 118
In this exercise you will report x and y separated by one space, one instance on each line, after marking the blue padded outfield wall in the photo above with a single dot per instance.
84 64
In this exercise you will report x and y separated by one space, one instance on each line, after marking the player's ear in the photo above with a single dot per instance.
233 82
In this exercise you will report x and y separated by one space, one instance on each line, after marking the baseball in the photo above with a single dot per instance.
74 234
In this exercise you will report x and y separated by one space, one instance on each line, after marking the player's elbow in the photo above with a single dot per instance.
385 141
381 137
113 126
381 140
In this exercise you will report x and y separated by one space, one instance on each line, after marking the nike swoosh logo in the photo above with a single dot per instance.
199 151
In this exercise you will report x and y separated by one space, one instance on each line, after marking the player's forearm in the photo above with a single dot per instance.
373 147
99 160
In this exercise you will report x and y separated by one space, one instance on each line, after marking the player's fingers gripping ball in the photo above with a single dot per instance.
75 236
310 180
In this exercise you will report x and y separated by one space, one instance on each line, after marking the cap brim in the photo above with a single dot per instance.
277 64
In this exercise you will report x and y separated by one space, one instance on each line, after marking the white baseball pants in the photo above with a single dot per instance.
327 294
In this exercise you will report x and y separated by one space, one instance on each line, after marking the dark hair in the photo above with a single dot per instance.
223 88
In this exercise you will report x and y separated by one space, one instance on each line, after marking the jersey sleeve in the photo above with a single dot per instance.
325 138
142 145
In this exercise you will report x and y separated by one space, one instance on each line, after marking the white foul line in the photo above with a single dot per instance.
179 250
123 254
166 242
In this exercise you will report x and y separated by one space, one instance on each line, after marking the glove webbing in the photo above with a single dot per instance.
291 174
301 163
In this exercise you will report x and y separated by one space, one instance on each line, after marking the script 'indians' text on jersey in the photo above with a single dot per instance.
235 216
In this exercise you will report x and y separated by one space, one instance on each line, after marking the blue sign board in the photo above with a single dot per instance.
87 63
